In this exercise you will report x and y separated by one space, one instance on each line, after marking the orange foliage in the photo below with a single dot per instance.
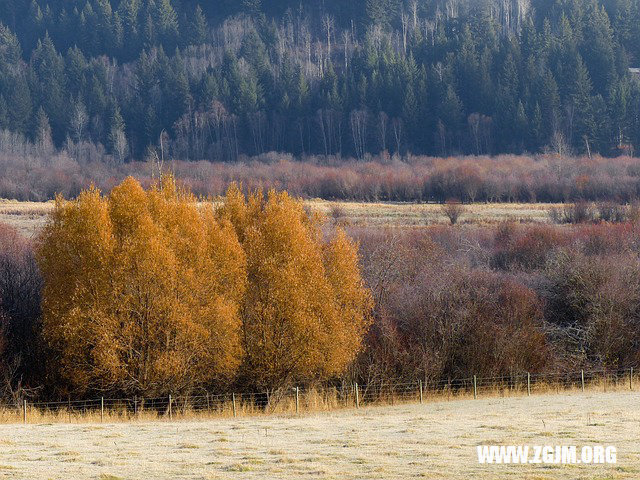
306 308
141 290
147 293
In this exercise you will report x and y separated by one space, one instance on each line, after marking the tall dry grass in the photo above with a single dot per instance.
309 402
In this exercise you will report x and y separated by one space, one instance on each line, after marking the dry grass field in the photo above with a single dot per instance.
418 214
436 440
29 217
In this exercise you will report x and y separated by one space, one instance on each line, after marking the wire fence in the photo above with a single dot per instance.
298 399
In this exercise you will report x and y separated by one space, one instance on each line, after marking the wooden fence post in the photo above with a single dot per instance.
170 412
528 384
420 391
297 400
631 379
233 401
357 397
475 387
24 411
101 409
582 379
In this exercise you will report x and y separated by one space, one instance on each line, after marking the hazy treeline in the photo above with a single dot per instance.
26 173
216 80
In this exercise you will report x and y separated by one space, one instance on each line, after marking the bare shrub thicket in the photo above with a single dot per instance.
611 211
578 212
26 173
20 287
585 212
502 299
338 215
453 210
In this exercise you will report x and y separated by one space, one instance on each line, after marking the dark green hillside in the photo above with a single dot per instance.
218 79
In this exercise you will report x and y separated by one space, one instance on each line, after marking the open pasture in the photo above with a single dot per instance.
435 440
29 217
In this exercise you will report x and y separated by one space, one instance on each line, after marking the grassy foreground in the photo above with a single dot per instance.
434 440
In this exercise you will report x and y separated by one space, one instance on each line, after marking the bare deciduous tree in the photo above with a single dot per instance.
383 122
358 119
79 120
328 23
453 210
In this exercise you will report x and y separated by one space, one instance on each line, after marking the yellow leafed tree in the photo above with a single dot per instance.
306 308
147 293
142 290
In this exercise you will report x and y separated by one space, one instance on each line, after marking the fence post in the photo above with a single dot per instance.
357 397
297 399
528 384
233 401
420 391
24 411
631 379
101 409
69 407
582 379
475 387
170 412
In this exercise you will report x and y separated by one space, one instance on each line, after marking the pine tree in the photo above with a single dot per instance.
20 105
620 96
465 50
129 12
166 22
521 127
467 71
549 104
598 52
451 114
537 139
103 24
10 51
118 34
42 132
581 98
197 27
35 26
48 67
381 12
4 114
75 65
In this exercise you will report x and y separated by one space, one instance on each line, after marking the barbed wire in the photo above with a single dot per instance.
326 397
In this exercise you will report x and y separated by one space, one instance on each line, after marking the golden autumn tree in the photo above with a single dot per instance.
142 290
306 308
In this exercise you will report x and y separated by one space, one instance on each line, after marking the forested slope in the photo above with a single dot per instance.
220 79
